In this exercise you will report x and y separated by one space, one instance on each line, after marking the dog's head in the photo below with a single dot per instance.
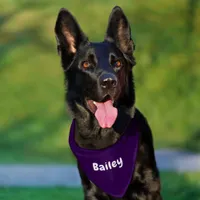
98 75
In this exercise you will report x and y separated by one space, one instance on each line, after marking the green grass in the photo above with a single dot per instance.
34 123
174 186
40 194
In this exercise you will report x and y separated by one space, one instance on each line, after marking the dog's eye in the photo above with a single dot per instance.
117 64
85 64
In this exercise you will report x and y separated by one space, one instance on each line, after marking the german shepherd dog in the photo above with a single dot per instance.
101 97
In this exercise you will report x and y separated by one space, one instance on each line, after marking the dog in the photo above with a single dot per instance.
100 94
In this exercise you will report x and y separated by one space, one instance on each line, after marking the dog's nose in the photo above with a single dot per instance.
108 81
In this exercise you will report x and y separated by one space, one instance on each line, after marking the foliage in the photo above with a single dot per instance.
33 121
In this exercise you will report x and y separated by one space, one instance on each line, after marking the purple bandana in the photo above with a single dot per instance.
111 169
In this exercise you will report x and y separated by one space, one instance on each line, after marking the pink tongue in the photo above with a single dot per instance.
106 114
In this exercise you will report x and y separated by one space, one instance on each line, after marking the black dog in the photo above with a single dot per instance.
98 74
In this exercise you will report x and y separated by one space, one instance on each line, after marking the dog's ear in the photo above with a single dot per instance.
69 36
119 32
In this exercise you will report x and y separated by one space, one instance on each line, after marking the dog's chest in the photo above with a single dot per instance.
109 168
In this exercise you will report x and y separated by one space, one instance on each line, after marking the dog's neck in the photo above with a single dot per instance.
88 133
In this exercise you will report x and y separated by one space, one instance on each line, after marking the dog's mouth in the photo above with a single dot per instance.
104 111
93 105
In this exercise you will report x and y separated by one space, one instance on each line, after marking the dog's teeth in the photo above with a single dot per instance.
94 102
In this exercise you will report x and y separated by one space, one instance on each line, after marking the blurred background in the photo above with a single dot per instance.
34 121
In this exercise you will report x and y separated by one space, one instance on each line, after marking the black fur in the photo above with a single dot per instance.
83 84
